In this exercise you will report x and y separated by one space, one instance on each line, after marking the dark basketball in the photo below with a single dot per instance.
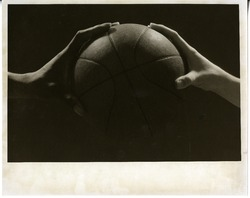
125 81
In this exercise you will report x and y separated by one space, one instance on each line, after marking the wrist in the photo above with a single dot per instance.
227 86
221 80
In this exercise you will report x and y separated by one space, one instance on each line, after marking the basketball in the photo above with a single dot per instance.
125 81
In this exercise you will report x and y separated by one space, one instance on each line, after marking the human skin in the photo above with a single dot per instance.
202 73
53 79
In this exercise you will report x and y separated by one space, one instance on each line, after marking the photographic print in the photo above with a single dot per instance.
125 84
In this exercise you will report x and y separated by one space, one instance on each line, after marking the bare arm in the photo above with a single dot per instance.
52 80
203 73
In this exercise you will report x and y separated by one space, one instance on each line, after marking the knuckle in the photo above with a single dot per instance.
78 32
188 80
193 51
175 34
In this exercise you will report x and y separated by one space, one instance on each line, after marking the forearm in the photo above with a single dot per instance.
19 85
38 83
228 87
52 80
28 85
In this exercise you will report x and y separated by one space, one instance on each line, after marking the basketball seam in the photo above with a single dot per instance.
163 88
130 84
158 59
156 84
137 41
114 89
120 73
99 83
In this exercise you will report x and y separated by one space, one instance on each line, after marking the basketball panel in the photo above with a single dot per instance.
152 46
102 52
166 118
97 105
87 75
162 108
127 118
124 38
164 72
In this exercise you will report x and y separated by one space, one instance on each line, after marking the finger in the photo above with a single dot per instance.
88 34
94 30
98 29
186 80
83 36
74 103
115 23
78 109
173 36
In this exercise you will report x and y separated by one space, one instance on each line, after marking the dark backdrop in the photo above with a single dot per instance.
49 131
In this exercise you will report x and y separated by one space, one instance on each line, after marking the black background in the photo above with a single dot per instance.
47 131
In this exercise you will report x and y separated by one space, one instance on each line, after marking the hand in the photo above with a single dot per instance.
53 79
202 73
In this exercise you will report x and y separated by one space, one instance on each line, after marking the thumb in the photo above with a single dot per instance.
186 80
74 103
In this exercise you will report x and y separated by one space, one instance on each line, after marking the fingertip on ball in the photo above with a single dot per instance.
115 23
